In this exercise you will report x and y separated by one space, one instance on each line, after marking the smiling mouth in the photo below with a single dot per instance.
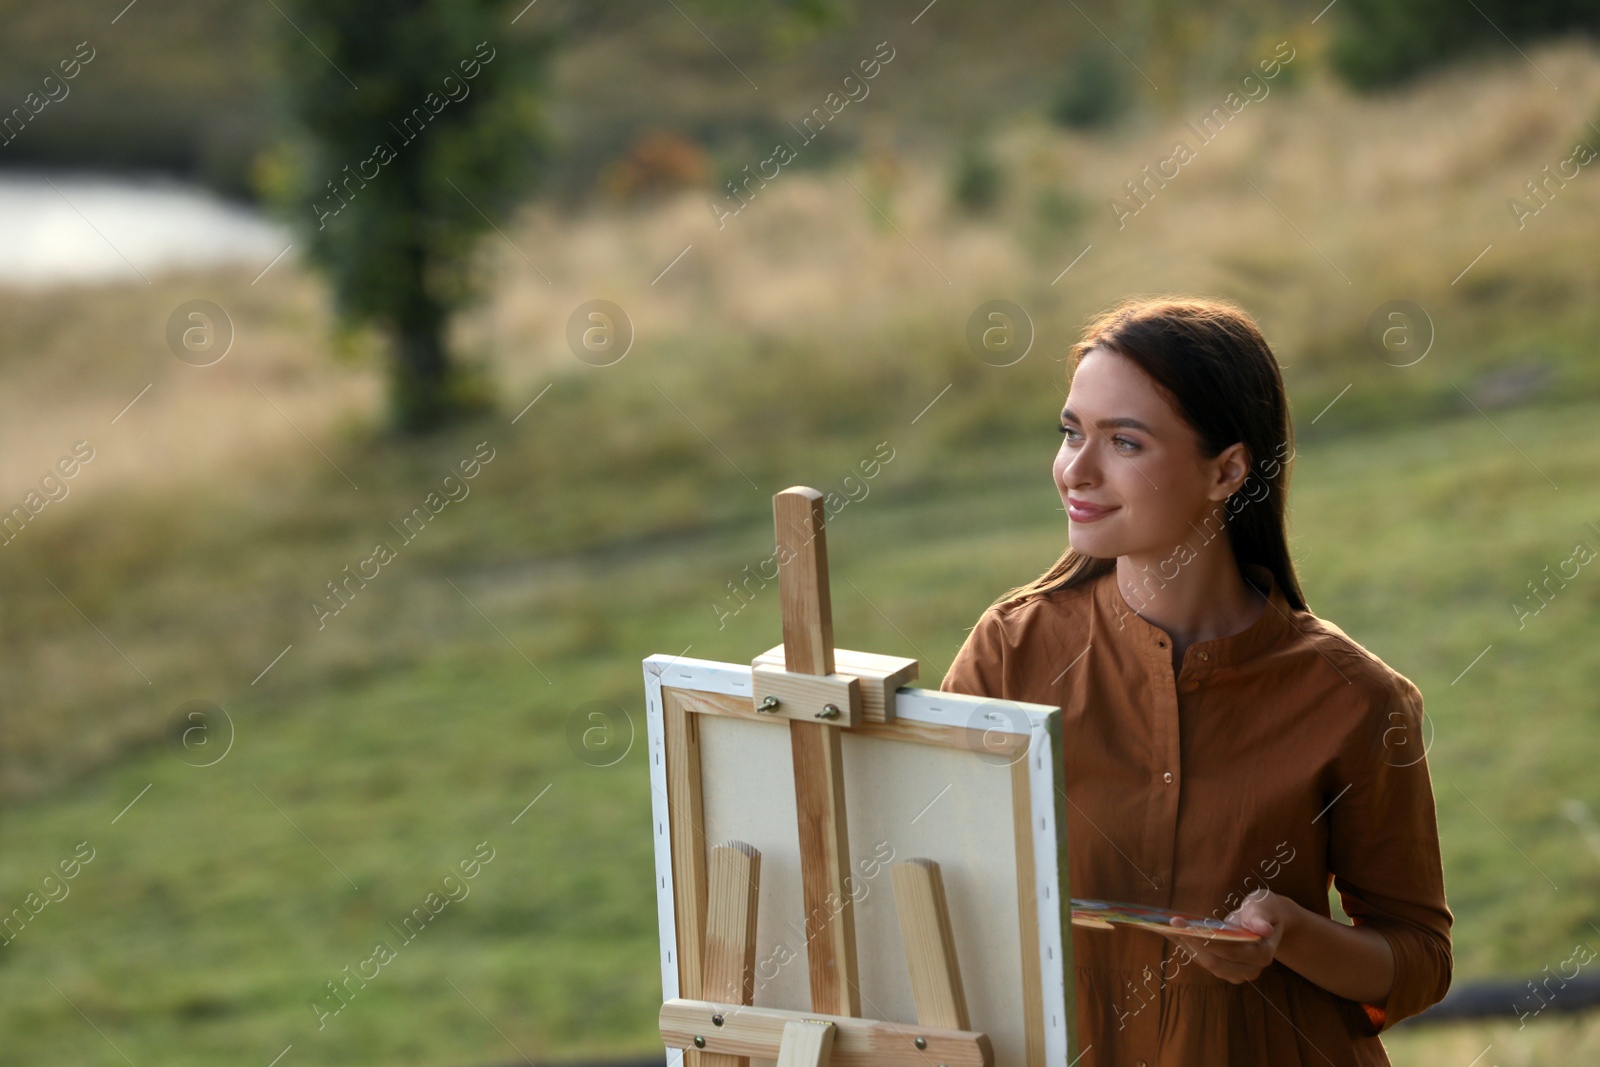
1081 511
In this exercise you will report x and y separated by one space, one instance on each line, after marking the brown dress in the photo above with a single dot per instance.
1284 756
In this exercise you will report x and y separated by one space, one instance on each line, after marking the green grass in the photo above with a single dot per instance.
206 921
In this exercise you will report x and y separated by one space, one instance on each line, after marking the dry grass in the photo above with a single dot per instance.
1356 201
76 357
1398 193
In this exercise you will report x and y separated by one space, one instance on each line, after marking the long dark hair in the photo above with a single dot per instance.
1209 357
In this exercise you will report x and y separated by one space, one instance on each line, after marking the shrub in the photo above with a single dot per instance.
1385 42
977 181
1093 93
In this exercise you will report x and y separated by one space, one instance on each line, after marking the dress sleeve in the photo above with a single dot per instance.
978 668
1383 853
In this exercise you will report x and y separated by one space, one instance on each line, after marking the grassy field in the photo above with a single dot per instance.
205 921
371 754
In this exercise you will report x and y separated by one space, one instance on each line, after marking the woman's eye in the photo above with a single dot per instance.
1121 444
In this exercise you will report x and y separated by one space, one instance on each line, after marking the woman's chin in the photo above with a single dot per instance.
1089 542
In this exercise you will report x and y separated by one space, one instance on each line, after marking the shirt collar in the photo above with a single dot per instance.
1150 640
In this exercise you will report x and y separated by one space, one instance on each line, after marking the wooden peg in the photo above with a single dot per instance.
733 884
930 944
806 1044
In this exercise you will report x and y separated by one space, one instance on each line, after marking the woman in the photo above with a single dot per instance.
1227 753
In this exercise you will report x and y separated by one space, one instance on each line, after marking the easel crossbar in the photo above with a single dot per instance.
758 1032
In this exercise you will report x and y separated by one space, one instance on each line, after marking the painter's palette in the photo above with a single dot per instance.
1106 914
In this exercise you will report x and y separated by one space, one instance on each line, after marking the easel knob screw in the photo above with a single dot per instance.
699 1042
922 1042
829 711
716 1020
769 703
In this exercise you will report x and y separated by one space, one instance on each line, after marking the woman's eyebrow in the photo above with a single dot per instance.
1125 422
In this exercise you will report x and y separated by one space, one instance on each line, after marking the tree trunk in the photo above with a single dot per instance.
422 396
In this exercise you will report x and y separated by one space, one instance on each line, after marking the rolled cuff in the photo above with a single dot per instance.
1422 972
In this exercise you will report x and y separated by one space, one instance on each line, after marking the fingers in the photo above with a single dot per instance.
1234 973
1232 970
1232 961
1260 926
1244 952
1233 953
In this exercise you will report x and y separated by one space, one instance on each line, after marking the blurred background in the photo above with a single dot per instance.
383 381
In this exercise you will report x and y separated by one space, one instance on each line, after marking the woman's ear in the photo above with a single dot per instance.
1231 468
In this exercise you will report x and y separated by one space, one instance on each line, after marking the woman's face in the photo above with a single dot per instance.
1130 471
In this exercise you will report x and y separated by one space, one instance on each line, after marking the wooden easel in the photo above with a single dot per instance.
800 681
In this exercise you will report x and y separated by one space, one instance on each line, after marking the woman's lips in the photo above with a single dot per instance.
1083 511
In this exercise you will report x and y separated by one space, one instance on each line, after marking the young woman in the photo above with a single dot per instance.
1227 752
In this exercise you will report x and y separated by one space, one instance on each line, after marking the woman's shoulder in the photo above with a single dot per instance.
1034 609
1375 682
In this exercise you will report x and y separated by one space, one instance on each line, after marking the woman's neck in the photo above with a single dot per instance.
1194 595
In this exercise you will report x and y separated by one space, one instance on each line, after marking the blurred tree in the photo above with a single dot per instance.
1385 42
421 126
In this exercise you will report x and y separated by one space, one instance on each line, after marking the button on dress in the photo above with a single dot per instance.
1285 756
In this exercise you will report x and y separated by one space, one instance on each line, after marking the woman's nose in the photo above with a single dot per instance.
1079 467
